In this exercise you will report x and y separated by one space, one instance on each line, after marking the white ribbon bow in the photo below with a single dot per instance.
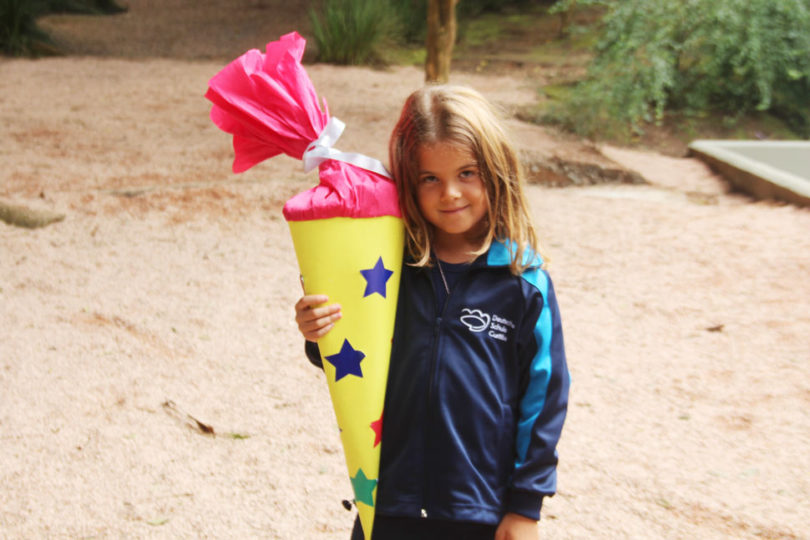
321 150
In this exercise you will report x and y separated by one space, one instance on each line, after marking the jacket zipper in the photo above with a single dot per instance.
434 365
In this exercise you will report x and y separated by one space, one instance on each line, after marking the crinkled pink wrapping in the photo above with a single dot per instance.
267 102
344 191
269 105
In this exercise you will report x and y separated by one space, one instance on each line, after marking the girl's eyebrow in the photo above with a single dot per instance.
470 165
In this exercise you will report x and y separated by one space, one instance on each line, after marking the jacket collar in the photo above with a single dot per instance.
501 253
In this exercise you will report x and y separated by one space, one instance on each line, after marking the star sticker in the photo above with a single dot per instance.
347 361
376 278
376 425
363 488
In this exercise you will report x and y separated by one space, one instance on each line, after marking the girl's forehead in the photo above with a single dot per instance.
444 149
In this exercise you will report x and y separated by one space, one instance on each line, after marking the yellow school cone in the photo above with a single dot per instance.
347 234
357 263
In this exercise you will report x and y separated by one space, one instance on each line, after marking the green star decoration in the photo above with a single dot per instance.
363 488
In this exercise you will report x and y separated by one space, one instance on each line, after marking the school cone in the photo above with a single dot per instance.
347 231
357 263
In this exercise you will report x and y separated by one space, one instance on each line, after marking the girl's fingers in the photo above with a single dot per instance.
305 308
319 313
317 334
320 322
307 315
310 301
314 322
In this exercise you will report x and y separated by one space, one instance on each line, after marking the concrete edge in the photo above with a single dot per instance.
751 176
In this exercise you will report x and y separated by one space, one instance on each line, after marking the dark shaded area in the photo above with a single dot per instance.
20 35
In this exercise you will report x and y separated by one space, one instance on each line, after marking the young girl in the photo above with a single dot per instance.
478 384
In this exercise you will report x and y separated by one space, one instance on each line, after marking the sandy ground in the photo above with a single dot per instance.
166 296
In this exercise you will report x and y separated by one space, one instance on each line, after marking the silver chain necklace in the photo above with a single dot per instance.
444 279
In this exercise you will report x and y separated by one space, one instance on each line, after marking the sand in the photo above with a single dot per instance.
165 297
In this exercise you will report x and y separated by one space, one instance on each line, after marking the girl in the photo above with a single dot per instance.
478 384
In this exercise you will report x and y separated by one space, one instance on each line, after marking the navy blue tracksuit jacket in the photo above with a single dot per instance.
476 397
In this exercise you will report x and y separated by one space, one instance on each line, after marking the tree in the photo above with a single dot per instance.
697 57
441 36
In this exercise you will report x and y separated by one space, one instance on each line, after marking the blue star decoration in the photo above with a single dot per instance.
363 488
347 361
376 278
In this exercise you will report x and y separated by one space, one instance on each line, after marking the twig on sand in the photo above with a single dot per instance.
173 410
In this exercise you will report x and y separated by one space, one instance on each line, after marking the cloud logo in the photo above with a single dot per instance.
474 319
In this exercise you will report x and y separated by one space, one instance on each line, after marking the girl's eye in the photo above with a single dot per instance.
427 180
469 173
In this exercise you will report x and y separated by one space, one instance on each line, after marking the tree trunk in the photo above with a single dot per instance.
441 36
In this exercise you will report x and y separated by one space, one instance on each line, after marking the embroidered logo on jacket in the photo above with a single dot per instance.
474 319
478 321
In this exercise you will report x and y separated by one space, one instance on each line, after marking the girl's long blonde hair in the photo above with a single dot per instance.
460 115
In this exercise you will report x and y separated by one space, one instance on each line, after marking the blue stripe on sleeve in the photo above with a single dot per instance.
539 370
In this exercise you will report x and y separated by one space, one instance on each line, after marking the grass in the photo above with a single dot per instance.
531 43
405 55
352 31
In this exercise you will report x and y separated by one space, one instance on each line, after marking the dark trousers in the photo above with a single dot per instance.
406 528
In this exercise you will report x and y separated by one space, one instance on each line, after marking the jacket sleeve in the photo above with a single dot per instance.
313 353
543 401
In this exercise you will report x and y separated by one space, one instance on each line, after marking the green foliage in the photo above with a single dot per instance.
473 8
352 31
91 7
695 56
411 16
570 5
19 33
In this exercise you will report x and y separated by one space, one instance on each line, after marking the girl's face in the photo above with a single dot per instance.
452 197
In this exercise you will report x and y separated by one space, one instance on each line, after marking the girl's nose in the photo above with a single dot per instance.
451 190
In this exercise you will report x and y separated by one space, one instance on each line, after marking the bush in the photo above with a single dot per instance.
91 7
353 31
695 56
473 8
19 33
411 16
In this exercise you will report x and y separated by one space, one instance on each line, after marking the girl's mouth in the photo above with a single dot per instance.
453 210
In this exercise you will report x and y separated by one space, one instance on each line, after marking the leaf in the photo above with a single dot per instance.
664 503
158 521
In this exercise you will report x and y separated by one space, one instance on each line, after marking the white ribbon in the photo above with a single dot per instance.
321 150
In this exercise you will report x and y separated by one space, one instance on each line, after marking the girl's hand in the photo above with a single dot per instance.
516 527
314 322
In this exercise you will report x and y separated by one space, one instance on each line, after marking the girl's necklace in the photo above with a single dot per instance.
444 279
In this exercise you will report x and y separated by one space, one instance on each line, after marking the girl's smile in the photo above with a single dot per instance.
452 197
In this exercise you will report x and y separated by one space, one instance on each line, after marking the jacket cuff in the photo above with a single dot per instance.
313 353
525 503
